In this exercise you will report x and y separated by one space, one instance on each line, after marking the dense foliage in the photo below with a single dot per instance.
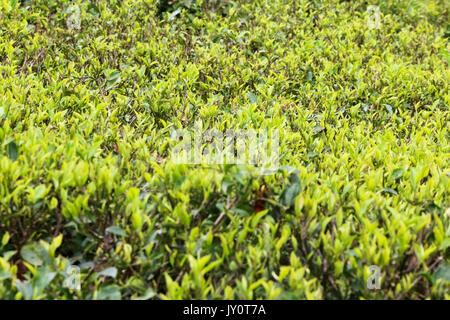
87 180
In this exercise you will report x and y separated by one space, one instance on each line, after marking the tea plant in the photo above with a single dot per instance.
91 91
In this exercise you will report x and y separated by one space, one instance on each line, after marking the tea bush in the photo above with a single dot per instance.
91 91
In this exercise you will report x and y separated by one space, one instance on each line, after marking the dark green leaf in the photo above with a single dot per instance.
13 151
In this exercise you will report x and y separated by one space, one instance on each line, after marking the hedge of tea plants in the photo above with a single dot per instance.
92 205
